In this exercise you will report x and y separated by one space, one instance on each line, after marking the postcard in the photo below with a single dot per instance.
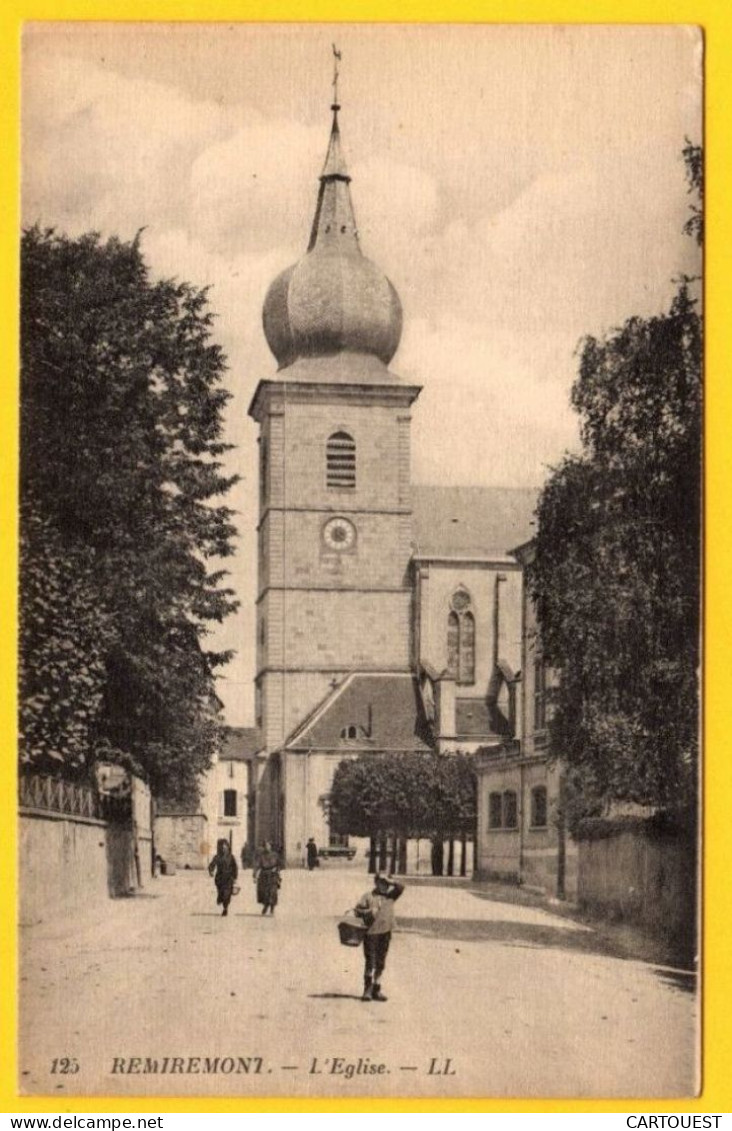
360 540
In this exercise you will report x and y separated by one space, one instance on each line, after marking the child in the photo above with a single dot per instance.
376 910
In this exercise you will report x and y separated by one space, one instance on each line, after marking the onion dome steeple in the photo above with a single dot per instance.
333 300
334 223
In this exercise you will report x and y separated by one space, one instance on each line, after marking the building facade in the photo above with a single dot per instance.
521 835
228 799
388 613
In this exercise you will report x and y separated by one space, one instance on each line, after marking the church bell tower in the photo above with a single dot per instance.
334 531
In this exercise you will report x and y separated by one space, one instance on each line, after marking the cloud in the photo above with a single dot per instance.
573 252
395 198
104 151
529 198
503 427
257 187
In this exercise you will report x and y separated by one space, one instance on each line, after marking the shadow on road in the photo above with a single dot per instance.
602 936
684 980
510 933
231 915
336 997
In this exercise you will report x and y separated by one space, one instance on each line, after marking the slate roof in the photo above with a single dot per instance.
385 708
239 744
471 521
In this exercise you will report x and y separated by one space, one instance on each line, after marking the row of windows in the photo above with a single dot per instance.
503 809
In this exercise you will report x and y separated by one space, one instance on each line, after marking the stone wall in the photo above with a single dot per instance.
62 864
182 839
641 876
69 856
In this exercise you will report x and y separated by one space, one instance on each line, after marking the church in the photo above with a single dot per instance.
389 614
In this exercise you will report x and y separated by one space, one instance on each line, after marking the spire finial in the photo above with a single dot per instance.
336 61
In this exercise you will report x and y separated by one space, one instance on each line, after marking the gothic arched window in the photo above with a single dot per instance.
340 462
466 673
453 644
461 638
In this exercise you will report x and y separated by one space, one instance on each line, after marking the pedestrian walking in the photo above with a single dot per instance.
376 911
224 870
267 878
312 854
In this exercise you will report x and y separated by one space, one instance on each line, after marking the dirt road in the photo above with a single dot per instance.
159 994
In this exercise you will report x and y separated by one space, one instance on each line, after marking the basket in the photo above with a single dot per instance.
351 930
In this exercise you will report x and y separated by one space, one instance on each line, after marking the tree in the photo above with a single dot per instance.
408 795
121 423
64 638
616 576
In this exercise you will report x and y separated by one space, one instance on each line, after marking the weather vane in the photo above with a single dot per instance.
336 61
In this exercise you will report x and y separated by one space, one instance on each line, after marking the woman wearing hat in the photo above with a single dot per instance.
376 910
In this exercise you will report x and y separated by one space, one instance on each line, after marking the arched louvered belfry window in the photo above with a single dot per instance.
340 462
461 638
453 644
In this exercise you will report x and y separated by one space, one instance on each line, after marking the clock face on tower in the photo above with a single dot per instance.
339 534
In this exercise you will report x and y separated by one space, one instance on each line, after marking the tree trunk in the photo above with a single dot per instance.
382 853
437 857
402 856
561 844
372 855
394 849
463 855
451 857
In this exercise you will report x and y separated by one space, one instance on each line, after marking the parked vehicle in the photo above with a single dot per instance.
344 851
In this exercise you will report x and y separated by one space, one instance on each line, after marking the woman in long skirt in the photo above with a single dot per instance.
267 878
224 870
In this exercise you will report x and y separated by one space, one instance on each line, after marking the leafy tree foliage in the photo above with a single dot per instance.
410 795
121 422
694 161
616 576
64 637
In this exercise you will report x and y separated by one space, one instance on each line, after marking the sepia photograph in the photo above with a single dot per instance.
360 560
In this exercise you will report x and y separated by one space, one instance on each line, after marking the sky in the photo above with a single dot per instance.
521 186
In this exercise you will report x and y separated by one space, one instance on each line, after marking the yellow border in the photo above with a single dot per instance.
715 16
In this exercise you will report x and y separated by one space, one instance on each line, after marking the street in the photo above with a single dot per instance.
161 995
